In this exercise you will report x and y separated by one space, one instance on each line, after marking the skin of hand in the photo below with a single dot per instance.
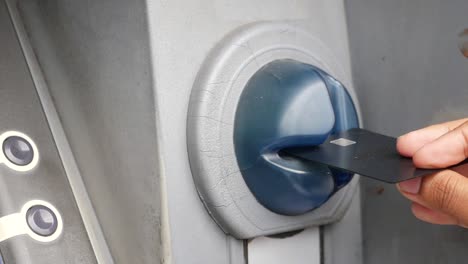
440 198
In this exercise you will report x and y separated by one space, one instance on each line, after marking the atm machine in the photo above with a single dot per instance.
153 131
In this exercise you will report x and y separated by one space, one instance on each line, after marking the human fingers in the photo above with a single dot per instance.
420 207
447 150
411 142
432 216
445 192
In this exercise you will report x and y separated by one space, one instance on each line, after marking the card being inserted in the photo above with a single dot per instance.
363 152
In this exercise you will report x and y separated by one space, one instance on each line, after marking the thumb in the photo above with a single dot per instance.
446 191
447 150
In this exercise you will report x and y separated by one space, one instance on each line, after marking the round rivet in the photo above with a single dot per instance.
41 220
18 150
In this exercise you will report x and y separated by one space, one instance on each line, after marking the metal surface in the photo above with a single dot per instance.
96 64
182 34
342 240
409 73
301 248
94 60
21 111
88 215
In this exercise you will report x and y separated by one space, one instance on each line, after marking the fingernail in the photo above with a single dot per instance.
411 186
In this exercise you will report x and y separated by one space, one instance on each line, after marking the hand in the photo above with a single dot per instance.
440 198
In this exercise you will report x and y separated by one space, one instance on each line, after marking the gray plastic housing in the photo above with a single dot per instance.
211 118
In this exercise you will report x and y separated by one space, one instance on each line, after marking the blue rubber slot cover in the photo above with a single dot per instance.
289 104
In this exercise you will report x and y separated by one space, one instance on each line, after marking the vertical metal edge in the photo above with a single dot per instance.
351 90
90 220
236 251
322 246
342 241
341 232
165 229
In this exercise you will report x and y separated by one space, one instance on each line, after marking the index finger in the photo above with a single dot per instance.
411 142
447 150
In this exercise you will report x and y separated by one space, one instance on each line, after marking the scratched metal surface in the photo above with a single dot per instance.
95 58
408 72
20 110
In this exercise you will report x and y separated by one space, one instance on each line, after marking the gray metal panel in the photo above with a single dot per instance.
95 59
182 33
408 73
20 109
342 240
88 215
